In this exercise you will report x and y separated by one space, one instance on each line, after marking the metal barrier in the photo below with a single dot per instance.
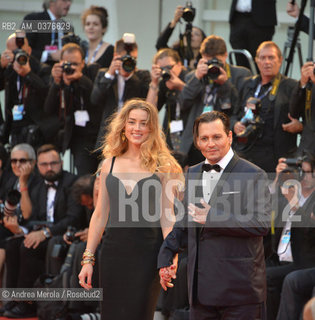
247 55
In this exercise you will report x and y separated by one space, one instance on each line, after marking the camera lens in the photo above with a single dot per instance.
67 68
165 75
213 72
21 58
128 63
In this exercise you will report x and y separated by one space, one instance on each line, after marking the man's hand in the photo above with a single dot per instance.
307 73
25 171
294 126
202 68
238 127
11 223
22 70
155 74
57 72
199 215
175 83
116 64
69 78
7 57
293 9
83 234
33 239
222 78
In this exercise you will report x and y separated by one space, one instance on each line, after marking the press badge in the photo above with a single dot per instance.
81 117
17 112
285 239
176 126
51 48
207 109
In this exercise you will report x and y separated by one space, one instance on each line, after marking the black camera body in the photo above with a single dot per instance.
20 56
70 234
166 74
10 204
67 68
252 121
214 66
128 63
189 12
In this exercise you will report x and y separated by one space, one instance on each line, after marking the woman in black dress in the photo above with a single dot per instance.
135 205
95 22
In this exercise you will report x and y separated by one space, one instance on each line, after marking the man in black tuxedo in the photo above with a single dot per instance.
251 23
115 85
227 201
25 82
47 46
53 210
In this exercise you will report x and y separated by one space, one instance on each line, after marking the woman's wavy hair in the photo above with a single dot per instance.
155 156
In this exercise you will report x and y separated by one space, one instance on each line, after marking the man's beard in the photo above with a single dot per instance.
52 176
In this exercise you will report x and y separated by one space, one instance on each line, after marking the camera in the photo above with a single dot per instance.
189 12
214 66
128 62
10 204
166 74
20 56
295 166
251 121
67 68
70 234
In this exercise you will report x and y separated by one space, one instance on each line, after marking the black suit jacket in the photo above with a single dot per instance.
226 256
105 94
67 212
263 12
38 41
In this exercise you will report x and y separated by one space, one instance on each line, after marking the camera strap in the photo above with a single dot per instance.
308 101
275 87
228 70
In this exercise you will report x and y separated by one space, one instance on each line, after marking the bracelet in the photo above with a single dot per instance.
83 262
23 189
153 87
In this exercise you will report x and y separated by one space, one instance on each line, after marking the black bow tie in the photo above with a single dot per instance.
51 185
207 167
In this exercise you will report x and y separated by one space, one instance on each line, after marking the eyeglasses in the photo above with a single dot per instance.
51 164
21 161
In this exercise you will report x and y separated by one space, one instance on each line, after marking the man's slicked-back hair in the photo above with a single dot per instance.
46 148
210 117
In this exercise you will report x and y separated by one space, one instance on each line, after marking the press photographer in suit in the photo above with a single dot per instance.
25 82
227 212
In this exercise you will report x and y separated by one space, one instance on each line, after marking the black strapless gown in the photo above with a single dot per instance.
129 250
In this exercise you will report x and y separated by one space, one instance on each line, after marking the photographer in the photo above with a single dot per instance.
167 80
212 86
47 46
53 210
68 101
303 105
120 82
293 237
277 137
189 54
25 82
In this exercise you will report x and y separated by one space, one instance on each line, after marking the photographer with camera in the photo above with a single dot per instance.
212 86
293 236
25 82
189 43
167 80
303 105
120 82
53 210
47 46
68 101
276 134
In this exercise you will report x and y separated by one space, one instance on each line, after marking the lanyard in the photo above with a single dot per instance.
262 95
22 90
94 53
308 101
210 95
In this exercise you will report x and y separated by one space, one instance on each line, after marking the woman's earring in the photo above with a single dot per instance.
123 136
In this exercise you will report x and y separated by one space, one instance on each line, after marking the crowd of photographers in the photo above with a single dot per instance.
58 97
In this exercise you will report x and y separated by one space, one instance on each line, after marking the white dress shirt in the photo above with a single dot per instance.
244 5
211 178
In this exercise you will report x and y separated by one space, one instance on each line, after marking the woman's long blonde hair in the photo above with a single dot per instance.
155 156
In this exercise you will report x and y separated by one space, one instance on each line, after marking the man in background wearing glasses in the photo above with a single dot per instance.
53 210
